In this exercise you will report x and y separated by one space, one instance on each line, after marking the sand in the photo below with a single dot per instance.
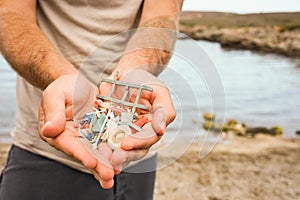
4 148
263 167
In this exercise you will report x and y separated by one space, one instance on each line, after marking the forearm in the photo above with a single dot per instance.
151 46
29 51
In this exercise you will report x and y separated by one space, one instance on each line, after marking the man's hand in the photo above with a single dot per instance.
65 99
160 107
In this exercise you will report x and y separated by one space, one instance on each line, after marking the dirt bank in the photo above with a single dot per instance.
271 33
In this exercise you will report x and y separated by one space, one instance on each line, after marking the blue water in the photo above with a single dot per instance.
260 89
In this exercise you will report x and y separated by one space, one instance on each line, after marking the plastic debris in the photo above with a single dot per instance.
112 118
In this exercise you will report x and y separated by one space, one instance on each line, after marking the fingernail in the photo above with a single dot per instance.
127 146
47 122
162 125
44 126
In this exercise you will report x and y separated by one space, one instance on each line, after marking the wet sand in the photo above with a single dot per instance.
263 167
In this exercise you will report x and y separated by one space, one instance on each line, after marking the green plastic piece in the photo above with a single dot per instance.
96 128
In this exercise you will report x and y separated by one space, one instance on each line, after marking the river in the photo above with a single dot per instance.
260 90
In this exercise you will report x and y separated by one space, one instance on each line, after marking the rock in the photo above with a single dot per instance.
235 128
208 116
297 132
277 130
231 122
206 125
261 130
239 130
212 127
226 128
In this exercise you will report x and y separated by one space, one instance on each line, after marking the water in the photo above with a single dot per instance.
7 100
261 90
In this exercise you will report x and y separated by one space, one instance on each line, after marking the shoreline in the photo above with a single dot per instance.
277 33
259 39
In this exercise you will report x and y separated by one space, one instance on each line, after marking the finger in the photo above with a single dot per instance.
106 184
104 169
53 111
81 151
70 144
159 121
103 155
106 151
41 118
162 103
141 140
104 88
120 157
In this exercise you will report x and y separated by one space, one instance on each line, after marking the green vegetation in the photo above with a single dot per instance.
283 21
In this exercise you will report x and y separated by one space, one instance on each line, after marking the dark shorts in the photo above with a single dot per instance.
32 177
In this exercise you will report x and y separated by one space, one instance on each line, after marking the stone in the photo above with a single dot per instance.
277 130
239 130
206 125
208 116
231 123
260 130
212 127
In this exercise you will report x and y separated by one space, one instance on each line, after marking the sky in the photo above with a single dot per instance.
242 6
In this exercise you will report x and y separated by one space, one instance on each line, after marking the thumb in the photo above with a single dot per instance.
53 114
164 112
159 121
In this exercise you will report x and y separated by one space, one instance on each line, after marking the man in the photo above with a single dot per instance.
46 43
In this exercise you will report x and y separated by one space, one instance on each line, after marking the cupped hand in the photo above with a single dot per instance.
160 107
67 98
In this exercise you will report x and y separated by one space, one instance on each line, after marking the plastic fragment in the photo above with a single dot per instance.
112 119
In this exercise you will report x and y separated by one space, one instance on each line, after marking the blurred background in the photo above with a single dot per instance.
254 46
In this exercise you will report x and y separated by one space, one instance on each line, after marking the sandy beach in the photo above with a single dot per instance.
263 167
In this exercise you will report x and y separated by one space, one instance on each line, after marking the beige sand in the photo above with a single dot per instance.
4 148
264 167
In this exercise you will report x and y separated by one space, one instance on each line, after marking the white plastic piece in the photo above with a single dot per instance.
117 135
125 117
111 115
110 126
